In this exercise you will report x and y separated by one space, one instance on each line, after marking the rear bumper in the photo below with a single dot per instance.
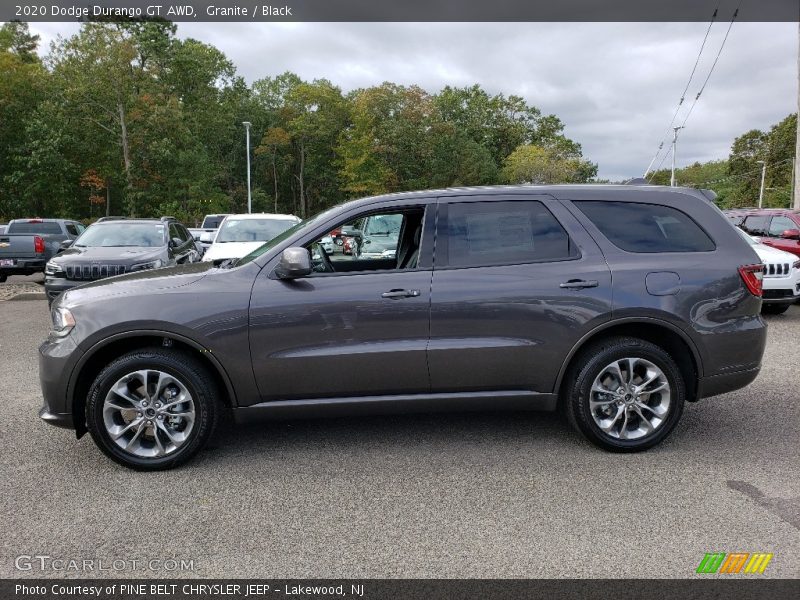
23 266
727 382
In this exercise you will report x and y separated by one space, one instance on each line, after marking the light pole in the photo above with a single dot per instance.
763 175
249 196
675 130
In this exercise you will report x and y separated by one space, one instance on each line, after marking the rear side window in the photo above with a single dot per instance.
71 229
755 224
35 227
638 227
503 233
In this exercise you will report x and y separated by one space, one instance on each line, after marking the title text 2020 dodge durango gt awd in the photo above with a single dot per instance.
616 304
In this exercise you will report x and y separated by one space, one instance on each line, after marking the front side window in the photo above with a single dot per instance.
384 241
503 233
779 225
639 227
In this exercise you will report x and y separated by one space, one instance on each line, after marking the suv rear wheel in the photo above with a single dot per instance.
152 409
627 394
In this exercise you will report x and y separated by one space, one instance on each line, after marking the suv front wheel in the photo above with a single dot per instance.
152 409
626 395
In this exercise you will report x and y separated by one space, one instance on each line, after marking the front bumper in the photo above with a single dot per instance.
55 286
57 358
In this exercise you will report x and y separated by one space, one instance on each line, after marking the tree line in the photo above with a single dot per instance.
128 119
737 179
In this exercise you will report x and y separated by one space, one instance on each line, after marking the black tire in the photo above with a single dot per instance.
774 309
590 364
184 367
3 278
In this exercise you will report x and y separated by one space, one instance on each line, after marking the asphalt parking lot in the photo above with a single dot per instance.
445 496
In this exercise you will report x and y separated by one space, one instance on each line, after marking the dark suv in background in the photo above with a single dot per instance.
114 246
616 304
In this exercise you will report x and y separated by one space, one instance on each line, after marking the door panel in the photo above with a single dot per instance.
506 327
345 333
336 335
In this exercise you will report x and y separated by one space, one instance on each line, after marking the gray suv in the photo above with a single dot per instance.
614 304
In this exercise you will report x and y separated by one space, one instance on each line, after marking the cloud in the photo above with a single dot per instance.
614 85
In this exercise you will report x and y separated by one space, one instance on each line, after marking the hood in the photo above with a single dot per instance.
226 250
769 254
140 283
112 255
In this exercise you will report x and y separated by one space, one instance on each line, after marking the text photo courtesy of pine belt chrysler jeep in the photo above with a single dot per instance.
614 303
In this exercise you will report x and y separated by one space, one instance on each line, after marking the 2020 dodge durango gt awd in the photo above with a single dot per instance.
615 304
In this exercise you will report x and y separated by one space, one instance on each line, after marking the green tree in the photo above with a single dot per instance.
537 164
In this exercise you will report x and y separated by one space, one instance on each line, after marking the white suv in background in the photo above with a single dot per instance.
781 284
239 235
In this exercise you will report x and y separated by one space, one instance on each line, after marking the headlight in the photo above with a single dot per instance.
63 321
52 268
153 264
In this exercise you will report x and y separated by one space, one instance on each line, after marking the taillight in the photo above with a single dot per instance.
752 275
34 220
38 244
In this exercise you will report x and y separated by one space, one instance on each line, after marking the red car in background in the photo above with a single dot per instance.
777 227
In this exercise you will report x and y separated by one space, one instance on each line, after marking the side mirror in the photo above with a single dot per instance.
65 244
791 234
175 242
207 237
294 263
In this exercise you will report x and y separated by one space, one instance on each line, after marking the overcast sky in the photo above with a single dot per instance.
614 85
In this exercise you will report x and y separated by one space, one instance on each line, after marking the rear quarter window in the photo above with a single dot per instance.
648 228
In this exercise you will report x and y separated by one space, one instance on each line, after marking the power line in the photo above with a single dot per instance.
683 94
703 87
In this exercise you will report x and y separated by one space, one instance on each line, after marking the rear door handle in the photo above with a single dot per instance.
400 294
577 284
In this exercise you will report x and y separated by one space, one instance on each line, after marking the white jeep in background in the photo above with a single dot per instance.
781 283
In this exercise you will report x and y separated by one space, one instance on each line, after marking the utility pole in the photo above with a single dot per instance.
763 175
675 130
796 178
249 195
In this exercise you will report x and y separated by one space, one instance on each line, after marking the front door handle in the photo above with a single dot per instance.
400 294
579 284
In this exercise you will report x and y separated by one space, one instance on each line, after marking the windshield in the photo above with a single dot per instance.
251 230
384 224
108 235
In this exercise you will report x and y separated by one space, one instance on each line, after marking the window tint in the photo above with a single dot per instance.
35 227
755 224
779 225
646 227
502 233
71 229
